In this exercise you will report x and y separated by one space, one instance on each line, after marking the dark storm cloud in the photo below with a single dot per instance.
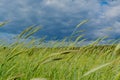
59 17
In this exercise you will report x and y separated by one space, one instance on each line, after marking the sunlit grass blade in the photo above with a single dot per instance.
95 69
15 77
25 31
75 30
32 32
117 50
4 23
81 23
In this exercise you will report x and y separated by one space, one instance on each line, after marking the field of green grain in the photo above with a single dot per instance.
25 61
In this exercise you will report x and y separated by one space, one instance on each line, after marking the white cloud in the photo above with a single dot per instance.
116 27
73 6
7 37
112 12
64 13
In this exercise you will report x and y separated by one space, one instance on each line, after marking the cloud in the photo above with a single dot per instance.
6 37
109 19
59 17
113 12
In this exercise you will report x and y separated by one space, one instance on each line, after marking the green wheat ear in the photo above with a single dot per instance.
81 23
117 50
4 23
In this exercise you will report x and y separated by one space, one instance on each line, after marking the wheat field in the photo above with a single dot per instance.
25 61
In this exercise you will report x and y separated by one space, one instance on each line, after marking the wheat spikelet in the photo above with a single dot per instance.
117 50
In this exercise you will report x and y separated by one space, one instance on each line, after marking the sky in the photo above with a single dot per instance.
59 18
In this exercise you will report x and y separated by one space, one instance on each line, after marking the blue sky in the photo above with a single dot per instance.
59 17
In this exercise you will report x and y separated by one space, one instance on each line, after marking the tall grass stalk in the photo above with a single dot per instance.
27 61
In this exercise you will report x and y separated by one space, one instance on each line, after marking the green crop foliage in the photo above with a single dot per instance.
26 61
